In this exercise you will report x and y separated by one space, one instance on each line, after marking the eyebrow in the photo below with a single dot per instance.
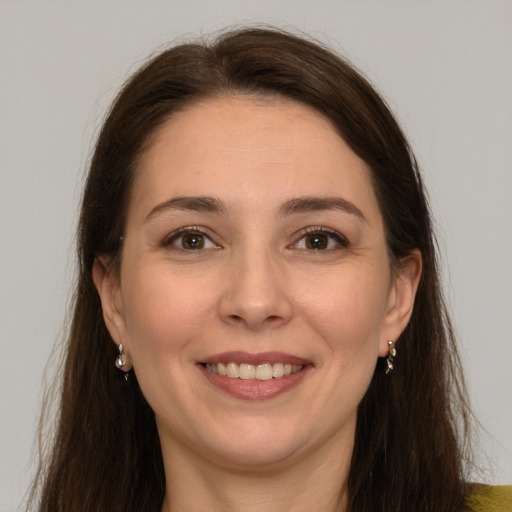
189 203
293 206
315 204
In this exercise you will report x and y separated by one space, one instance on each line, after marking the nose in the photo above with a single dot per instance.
256 294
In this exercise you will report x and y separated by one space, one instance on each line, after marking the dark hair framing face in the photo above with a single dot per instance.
407 454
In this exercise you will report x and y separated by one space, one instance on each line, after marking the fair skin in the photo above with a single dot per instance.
254 237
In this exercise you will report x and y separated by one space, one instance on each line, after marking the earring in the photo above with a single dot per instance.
121 361
391 356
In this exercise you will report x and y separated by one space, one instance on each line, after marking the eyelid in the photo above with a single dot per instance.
341 239
177 233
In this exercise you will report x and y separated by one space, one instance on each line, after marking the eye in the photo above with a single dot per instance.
321 239
189 239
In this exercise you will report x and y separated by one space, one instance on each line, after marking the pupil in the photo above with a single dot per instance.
193 241
317 242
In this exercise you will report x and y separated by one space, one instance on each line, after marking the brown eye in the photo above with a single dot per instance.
321 240
316 241
192 241
189 239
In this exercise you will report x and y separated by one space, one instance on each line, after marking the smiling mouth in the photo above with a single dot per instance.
244 371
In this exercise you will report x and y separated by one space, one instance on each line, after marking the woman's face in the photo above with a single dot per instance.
254 247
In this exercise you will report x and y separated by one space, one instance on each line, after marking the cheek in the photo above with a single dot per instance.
347 309
162 312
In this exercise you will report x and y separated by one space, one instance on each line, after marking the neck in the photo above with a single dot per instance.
317 482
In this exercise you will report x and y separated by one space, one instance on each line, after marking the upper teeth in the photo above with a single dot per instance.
265 371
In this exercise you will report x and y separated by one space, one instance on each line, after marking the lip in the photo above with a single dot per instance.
260 358
255 389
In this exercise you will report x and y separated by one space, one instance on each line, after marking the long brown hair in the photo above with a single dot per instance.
412 426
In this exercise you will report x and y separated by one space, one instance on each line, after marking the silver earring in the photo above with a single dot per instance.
391 356
120 361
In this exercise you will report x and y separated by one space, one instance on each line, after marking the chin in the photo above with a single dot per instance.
264 447
257 457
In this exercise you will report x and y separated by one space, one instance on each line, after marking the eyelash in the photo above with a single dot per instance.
187 230
340 239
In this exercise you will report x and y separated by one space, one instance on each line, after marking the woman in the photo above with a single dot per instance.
258 323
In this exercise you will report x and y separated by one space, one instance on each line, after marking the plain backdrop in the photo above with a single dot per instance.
444 67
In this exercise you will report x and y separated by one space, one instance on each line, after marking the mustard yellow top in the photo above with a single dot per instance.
490 498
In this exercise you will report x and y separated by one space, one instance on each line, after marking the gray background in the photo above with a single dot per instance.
445 68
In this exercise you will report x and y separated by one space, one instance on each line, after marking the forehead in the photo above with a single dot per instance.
249 150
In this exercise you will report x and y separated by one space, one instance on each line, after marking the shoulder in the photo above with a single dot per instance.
490 498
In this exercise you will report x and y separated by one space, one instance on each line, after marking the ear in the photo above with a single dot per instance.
108 286
401 300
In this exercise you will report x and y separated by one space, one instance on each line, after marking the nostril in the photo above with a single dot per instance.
269 319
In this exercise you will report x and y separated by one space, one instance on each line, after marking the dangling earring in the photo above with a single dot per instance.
391 356
120 361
